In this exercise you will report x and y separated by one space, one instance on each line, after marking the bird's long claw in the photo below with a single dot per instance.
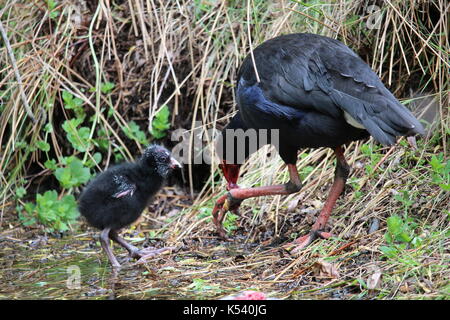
224 204
304 241
147 253
218 214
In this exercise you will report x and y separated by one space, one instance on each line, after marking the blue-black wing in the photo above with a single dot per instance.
306 72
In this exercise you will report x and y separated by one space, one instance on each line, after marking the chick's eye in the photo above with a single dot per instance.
164 158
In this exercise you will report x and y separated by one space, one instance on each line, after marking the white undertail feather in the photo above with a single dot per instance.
351 121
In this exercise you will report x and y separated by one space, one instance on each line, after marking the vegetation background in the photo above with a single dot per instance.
84 84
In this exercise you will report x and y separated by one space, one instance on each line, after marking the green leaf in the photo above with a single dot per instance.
161 123
404 237
67 97
229 223
416 242
48 198
21 192
53 213
102 142
82 173
394 224
204 212
64 177
29 207
134 132
97 158
51 4
398 229
27 221
74 104
50 164
74 174
390 252
70 125
107 87
48 128
21 144
61 226
44 146
47 215
436 164
78 137
118 157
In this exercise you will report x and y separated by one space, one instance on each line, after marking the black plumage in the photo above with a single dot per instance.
314 88
116 197
318 93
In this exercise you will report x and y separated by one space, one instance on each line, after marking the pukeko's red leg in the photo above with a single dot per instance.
234 197
340 177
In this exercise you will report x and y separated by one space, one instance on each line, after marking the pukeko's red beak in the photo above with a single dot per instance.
231 174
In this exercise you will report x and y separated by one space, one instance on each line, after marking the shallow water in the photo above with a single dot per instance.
75 267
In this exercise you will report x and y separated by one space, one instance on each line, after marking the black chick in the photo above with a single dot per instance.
117 197
317 93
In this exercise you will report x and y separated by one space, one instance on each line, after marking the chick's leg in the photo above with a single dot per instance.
104 241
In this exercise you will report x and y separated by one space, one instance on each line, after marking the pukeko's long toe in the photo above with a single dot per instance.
312 91
117 197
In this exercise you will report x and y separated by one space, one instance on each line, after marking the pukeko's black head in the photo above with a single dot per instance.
157 158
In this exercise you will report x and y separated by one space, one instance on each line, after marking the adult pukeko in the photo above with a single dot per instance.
117 197
318 93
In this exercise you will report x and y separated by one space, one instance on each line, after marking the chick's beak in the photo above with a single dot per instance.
174 163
